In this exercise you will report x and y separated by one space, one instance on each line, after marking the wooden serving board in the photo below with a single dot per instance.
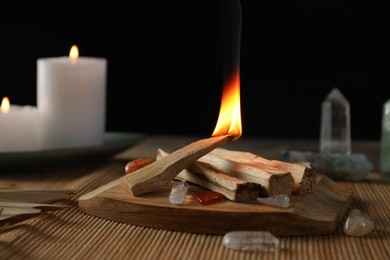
319 212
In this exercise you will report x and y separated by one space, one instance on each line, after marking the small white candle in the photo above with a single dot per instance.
18 128
71 98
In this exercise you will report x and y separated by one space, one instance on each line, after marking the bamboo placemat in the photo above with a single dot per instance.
71 234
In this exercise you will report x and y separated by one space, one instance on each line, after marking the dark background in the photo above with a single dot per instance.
165 61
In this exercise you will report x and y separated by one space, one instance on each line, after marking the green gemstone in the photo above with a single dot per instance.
385 143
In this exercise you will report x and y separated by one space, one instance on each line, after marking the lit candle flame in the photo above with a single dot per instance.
229 119
74 53
5 105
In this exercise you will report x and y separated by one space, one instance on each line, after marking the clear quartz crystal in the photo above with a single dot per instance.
280 200
335 136
250 240
385 143
178 192
358 223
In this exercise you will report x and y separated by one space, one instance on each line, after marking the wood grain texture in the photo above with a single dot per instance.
319 212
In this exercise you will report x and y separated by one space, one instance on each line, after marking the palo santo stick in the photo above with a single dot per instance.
272 181
159 173
11 212
42 206
99 190
35 195
305 178
232 188
129 168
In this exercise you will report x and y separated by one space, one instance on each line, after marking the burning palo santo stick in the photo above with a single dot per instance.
228 128
159 173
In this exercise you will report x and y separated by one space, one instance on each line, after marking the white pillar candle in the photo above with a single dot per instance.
71 98
18 128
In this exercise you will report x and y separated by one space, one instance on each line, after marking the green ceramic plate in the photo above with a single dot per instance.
114 142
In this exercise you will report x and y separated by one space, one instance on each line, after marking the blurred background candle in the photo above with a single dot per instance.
71 100
18 127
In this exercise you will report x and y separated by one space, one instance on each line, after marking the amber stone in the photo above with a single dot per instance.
137 164
208 197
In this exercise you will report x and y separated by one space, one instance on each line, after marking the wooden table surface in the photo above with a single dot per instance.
71 234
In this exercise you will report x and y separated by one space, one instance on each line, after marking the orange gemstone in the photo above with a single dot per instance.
208 197
137 164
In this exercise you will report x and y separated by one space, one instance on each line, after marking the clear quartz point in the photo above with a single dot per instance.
250 240
335 135
178 192
280 200
358 223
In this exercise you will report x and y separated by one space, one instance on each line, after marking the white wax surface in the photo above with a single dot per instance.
71 100
19 129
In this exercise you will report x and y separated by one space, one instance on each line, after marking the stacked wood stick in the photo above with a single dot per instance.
243 176
304 177
240 176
